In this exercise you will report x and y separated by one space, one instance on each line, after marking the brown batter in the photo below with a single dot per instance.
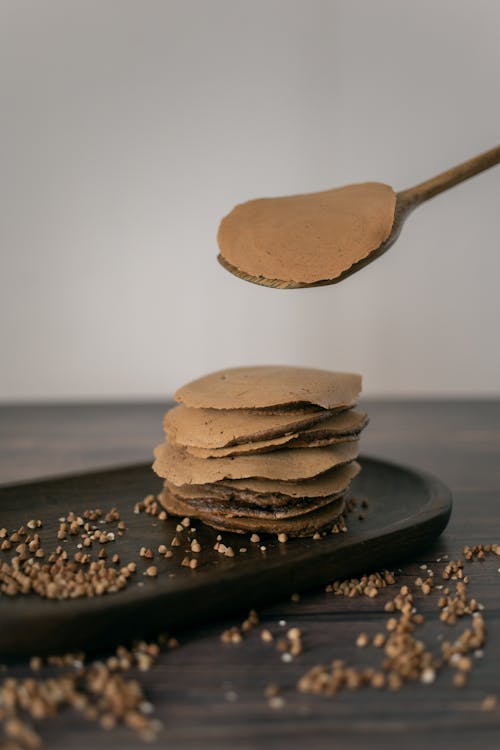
311 237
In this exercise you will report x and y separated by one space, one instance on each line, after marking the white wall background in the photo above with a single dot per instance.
127 129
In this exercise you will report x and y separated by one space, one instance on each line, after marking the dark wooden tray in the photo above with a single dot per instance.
406 510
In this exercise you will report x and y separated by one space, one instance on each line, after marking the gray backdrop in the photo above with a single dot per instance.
127 129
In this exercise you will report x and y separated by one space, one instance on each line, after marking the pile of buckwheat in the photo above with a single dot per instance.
58 574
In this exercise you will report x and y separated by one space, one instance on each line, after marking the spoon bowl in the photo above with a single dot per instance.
406 201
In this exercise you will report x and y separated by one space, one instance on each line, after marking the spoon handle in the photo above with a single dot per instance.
428 189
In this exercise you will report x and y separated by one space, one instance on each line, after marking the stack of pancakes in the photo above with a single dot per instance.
262 449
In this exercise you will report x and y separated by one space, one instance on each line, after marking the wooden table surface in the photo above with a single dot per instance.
209 694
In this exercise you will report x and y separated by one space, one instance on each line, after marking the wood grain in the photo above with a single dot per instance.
451 177
192 687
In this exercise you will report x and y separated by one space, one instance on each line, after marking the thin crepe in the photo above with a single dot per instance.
271 386
241 506
228 497
304 525
329 483
179 467
220 428
340 428
333 482
310 237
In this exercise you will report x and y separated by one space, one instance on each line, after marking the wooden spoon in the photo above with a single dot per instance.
406 201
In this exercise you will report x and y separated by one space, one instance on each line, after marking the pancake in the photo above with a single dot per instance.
328 483
346 425
235 505
219 428
243 449
304 525
179 467
271 386
340 428
310 237
231 492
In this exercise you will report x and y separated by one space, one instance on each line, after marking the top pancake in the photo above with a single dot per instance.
310 237
270 386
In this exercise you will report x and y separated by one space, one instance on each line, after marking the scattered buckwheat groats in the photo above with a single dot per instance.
77 558
406 658
405 655
103 691
80 559
235 634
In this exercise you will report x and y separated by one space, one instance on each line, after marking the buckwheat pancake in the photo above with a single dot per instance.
179 467
271 386
328 483
220 428
227 496
236 506
344 426
272 492
309 237
242 449
303 525
340 428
